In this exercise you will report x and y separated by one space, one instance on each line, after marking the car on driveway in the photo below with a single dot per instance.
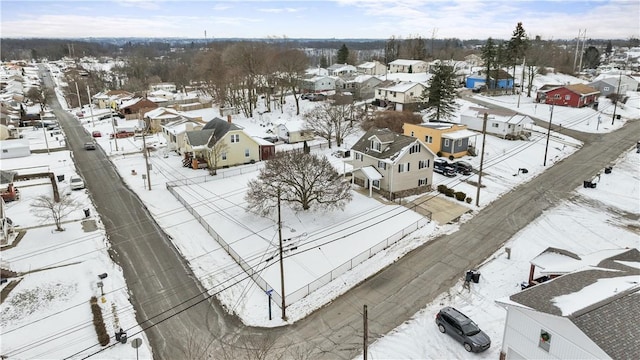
76 182
96 134
464 330
443 167
463 167
90 145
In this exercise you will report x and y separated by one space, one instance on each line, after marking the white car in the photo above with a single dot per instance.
76 182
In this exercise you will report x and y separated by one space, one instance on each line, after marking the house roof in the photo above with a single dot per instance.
220 129
6 177
602 298
371 173
199 137
162 113
401 87
582 89
459 134
499 74
396 143
405 62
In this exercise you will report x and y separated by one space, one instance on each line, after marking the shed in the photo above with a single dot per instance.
14 148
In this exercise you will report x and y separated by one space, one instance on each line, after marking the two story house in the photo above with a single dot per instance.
391 164
408 66
404 95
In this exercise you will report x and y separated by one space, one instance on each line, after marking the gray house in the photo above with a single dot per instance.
391 164
614 84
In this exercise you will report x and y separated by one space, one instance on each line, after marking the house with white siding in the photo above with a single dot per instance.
408 66
500 122
391 164
590 312
399 94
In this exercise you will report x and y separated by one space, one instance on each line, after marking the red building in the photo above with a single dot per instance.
577 95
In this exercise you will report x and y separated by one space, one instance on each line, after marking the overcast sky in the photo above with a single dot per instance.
378 19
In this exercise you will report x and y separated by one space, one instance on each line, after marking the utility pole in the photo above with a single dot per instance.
284 312
546 149
78 93
90 106
584 39
365 321
146 158
615 103
113 126
44 131
484 136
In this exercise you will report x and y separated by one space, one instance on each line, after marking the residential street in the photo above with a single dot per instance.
156 274
159 279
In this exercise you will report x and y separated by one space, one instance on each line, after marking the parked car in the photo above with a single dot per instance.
89 145
76 182
305 96
317 97
96 134
463 167
460 327
443 167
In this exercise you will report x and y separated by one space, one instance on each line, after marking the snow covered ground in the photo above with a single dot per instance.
223 197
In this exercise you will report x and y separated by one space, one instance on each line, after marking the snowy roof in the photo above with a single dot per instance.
605 287
367 65
397 143
161 113
401 87
405 62
294 125
371 173
459 134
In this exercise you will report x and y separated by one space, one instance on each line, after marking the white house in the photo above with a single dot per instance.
293 131
341 69
14 148
502 123
318 83
167 86
408 66
399 94
175 133
592 312
372 68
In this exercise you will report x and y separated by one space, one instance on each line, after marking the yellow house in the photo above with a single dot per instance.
444 139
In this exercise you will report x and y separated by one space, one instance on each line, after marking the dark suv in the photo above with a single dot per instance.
443 167
463 329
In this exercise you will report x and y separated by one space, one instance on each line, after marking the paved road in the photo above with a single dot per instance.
156 274
399 291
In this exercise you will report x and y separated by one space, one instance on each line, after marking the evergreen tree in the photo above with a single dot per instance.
323 62
591 58
441 94
609 48
343 55
517 47
489 56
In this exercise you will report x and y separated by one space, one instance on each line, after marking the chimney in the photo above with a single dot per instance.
189 126
229 118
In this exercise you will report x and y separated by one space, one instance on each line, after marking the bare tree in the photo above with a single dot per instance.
392 120
333 121
292 64
45 207
217 148
300 180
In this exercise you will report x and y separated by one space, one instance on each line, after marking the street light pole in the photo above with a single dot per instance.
78 93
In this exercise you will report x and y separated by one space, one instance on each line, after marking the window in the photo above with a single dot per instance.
415 148
556 96
422 182
459 142
235 138
403 167
375 184
495 125
428 139
382 165
567 97
246 153
446 142
358 156
375 145
544 341
412 134
606 88
223 156
423 164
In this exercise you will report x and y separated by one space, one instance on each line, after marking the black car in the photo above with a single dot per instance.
463 167
463 329
443 167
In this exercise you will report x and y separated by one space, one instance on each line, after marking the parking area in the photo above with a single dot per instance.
441 209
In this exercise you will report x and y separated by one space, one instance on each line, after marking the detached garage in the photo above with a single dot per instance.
14 148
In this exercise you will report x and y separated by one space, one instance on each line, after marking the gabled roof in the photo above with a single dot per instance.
199 137
405 62
162 112
602 299
582 89
395 143
401 87
220 128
